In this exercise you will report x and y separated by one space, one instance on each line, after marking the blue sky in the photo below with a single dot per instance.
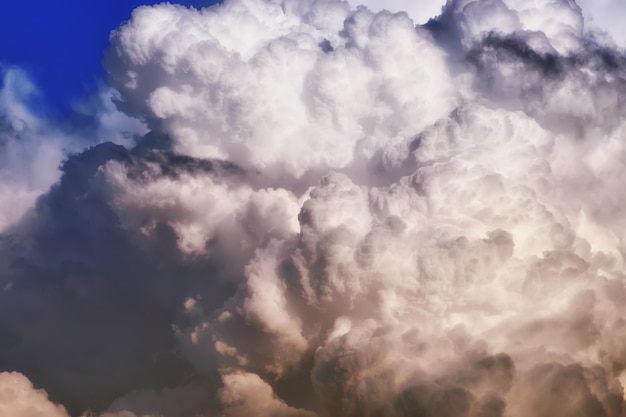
60 43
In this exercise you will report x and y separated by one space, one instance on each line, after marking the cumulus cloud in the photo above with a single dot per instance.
420 12
337 213
276 108
18 398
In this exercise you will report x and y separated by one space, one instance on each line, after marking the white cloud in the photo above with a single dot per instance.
419 11
606 15
271 98
18 398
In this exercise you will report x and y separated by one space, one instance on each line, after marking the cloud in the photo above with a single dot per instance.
29 165
420 12
18 398
33 146
244 394
601 16
185 90
605 15
336 213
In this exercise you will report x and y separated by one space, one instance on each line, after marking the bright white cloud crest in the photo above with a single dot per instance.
390 220
277 107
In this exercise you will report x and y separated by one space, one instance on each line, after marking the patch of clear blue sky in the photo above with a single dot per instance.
61 43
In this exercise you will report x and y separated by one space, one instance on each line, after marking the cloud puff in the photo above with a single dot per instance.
267 99
420 12
18 398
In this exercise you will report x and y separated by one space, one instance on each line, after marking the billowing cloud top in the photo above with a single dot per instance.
335 213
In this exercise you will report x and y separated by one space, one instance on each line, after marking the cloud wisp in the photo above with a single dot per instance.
335 213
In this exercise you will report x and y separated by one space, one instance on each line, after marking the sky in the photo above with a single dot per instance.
61 44
306 208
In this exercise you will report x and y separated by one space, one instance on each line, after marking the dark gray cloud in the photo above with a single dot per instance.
89 305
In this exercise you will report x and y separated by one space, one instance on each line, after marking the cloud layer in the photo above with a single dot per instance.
335 213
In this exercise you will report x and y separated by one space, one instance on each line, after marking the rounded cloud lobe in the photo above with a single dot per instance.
336 213
18 398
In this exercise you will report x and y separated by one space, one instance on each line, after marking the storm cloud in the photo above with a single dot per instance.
335 213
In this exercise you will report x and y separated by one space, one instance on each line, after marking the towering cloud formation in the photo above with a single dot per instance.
336 213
